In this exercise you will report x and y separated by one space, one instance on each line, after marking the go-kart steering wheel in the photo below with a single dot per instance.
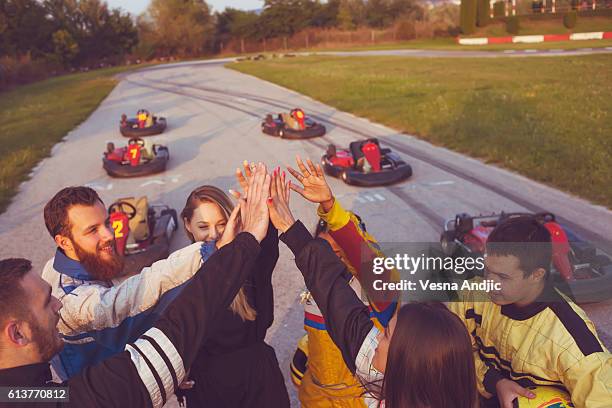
119 206
136 140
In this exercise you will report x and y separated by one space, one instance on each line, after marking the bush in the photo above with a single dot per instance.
483 17
499 9
468 16
512 25
23 70
570 18
406 29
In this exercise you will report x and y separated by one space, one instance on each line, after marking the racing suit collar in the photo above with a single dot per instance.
207 249
70 267
549 295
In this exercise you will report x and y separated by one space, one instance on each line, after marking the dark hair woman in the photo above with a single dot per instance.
235 367
427 360
422 359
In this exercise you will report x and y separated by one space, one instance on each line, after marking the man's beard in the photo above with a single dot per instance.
46 339
98 267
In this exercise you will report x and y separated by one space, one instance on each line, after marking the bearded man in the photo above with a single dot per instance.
101 313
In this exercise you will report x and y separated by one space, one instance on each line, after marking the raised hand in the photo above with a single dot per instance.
278 203
254 210
232 228
314 186
243 179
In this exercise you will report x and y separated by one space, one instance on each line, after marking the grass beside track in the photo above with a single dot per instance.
547 118
450 44
34 117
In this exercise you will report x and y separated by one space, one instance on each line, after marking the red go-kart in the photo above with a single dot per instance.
295 125
138 158
142 231
365 164
577 265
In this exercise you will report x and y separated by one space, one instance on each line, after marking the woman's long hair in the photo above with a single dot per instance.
211 194
430 363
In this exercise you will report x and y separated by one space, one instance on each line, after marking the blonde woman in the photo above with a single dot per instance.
235 367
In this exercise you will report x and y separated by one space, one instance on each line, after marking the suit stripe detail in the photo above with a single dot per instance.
169 350
148 378
162 354
577 328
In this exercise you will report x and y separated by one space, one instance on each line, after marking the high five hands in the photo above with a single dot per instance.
255 182
314 186
254 211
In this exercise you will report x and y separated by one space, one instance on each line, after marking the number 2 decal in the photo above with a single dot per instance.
118 228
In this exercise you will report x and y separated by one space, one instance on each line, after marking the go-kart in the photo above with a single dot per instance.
578 269
136 127
142 231
138 158
295 125
365 164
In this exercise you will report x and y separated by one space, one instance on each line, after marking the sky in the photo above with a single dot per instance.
138 6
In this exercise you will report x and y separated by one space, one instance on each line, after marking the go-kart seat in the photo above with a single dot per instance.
355 148
290 121
373 155
146 152
139 225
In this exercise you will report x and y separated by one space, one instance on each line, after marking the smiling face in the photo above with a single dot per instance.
207 222
92 242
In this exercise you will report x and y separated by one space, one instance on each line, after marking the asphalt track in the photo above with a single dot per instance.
214 116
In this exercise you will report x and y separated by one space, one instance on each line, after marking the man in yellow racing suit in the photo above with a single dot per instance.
327 382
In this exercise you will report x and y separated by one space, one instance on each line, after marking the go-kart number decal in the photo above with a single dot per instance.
119 228
134 152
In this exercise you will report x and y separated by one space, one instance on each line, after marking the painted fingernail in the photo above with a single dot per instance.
284 173
270 199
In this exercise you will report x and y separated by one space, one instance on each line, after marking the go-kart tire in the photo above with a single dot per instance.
447 242
316 130
157 165
269 130
593 290
173 214
331 150
374 179
158 127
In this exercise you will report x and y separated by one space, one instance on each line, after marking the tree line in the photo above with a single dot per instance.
81 32
70 32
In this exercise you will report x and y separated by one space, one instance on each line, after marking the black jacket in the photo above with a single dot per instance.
346 317
150 369
235 367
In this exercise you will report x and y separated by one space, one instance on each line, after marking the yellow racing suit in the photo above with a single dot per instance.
327 381
550 342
